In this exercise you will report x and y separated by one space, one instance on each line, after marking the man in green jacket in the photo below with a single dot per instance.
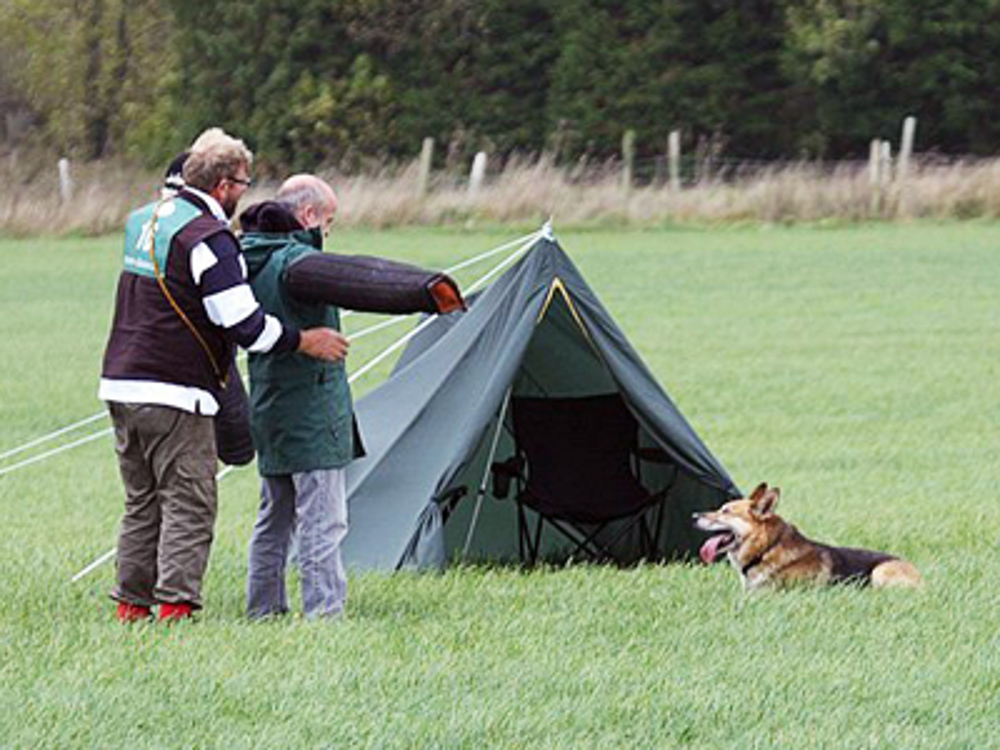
301 410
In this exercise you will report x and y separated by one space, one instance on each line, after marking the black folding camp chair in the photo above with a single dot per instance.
575 467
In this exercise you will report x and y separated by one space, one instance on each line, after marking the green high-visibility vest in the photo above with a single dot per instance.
171 217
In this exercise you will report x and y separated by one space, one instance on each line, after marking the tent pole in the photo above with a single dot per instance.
486 473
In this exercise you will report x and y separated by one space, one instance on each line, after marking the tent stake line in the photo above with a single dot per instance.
52 435
528 240
55 451
98 562
372 363
379 326
523 245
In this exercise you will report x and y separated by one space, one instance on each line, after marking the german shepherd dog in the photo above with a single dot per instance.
769 552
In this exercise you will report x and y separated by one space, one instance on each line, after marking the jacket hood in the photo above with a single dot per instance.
269 216
270 226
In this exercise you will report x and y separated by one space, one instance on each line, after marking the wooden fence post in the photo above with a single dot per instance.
874 176
674 159
628 160
885 177
905 154
906 147
65 182
477 175
885 168
424 173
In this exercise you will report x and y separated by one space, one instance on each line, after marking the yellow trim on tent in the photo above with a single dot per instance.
557 285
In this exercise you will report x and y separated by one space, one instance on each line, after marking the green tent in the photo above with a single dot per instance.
538 340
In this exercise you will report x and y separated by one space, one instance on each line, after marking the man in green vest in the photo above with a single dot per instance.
301 409
182 306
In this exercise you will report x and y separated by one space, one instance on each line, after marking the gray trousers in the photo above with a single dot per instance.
313 505
168 464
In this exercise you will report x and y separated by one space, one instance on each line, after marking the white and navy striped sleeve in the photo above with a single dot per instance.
219 271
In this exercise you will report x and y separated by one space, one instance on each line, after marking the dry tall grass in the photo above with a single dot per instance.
528 192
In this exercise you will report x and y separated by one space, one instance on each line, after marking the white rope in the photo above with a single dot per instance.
509 260
95 564
528 242
528 238
392 347
470 262
380 326
241 356
99 561
52 435
407 337
55 451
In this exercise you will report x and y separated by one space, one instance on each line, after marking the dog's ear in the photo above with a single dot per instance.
758 493
764 505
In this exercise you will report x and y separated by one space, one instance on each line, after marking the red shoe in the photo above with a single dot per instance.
171 612
133 612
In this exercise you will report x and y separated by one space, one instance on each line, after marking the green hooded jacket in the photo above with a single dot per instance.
301 410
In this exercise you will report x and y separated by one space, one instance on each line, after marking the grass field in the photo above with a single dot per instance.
855 367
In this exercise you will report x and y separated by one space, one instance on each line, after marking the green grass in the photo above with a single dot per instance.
855 367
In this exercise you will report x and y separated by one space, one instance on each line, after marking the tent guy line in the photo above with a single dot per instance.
523 243
35 442
528 238
508 260
52 435
364 369
402 340
99 561
56 451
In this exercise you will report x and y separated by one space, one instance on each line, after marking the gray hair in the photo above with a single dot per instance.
302 194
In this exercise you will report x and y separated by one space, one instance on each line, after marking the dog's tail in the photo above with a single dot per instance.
896 573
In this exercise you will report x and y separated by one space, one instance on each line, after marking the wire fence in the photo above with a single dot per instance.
528 188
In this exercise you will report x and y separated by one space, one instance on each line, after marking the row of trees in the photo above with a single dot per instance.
335 81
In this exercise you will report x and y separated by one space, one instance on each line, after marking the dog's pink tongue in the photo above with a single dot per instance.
710 549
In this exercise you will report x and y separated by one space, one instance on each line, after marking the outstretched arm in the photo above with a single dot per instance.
370 284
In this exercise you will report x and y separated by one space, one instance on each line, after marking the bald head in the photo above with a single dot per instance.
311 199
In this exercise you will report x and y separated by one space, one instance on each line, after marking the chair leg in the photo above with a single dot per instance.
521 532
537 544
584 542
650 522
528 541
645 536
650 532
648 544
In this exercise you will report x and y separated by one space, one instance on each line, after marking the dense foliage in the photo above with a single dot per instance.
88 77
352 81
